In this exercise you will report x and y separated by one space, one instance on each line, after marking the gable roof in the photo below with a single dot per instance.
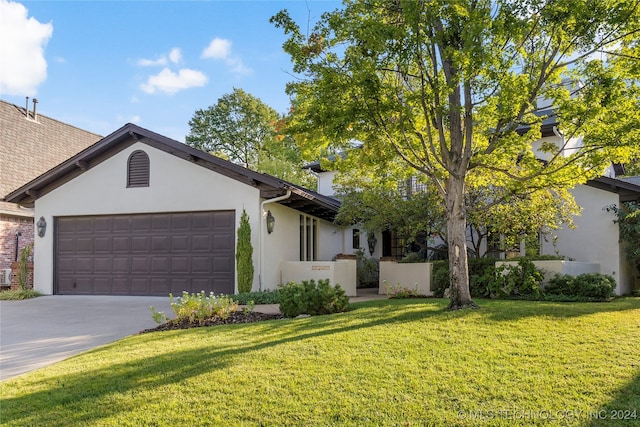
29 146
301 199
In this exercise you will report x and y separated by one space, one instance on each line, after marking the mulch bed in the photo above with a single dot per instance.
234 318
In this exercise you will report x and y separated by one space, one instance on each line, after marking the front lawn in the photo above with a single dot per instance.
389 362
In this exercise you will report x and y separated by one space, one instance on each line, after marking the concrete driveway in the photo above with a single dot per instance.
41 331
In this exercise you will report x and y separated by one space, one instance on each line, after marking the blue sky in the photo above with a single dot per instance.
100 64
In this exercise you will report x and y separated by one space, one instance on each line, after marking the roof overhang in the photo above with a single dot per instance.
302 199
626 190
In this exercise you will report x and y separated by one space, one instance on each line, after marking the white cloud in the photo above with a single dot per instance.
221 49
169 82
152 62
175 55
217 49
24 66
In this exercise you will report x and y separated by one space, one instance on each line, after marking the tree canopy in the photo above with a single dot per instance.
243 129
460 91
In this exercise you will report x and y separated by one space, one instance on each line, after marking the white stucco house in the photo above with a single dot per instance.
141 214
595 240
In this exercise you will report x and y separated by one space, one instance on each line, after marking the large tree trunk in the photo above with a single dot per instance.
457 242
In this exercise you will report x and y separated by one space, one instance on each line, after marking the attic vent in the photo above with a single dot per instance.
138 169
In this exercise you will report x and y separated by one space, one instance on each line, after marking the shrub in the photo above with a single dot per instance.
258 297
523 279
244 255
19 294
398 291
367 270
23 267
309 298
481 274
586 287
439 277
196 308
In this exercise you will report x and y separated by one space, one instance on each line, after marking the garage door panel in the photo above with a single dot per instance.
103 265
140 286
146 254
120 286
180 265
141 244
121 243
201 243
160 243
139 264
103 244
160 264
102 285
201 264
84 225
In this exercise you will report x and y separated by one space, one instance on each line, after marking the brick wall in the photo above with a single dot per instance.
9 226
15 284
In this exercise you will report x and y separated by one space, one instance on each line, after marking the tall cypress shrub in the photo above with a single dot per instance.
244 254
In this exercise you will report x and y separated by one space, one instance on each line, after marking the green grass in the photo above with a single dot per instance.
390 362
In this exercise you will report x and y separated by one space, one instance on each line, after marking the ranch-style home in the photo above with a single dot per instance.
30 144
141 214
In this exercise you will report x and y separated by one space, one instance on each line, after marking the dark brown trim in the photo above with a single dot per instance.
315 204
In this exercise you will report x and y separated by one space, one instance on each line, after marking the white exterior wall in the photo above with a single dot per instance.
175 185
325 183
284 243
595 238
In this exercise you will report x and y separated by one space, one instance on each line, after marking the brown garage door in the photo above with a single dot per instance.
146 254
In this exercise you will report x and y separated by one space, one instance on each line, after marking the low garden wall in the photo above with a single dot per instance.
413 276
552 267
341 272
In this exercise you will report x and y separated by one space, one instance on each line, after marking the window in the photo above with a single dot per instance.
356 239
308 238
138 169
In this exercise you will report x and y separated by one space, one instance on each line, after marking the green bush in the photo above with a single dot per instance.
481 273
244 255
587 286
309 298
258 297
521 280
367 270
18 294
439 277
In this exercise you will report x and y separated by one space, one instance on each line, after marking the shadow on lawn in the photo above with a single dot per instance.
623 410
508 310
78 395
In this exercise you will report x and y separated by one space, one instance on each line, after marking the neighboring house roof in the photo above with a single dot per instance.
31 144
301 199
628 188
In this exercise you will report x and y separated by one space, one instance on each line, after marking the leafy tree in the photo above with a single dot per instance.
628 220
454 88
243 129
244 254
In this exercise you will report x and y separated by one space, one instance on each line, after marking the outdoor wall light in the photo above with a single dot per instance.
271 221
42 226
371 240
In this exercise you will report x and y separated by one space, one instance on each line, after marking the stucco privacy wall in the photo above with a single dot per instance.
284 243
175 186
595 238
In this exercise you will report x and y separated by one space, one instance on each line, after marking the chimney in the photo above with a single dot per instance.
26 108
35 115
